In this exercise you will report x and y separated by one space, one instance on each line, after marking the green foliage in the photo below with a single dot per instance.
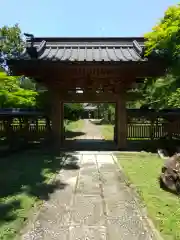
13 91
12 95
72 111
28 83
13 42
165 40
155 92
174 99
165 37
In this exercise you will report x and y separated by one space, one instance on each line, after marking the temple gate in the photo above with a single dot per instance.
102 68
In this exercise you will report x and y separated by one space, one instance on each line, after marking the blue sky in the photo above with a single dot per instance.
83 18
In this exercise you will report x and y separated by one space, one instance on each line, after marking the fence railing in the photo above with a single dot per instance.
150 124
23 125
142 124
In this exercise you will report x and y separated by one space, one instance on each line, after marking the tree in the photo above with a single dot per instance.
72 111
174 99
27 83
13 43
155 93
165 38
12 95
12 92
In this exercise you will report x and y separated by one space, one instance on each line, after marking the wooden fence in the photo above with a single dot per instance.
150 124
142 124
20 127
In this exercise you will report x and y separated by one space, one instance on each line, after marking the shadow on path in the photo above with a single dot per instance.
28 174
90 145
71 134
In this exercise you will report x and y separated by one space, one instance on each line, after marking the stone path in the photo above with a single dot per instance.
91 131
94 203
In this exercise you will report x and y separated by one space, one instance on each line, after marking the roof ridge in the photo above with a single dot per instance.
82 39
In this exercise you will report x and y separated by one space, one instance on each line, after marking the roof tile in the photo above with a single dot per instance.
69 49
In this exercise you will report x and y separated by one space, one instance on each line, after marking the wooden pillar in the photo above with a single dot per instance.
121 121
115 124
57 117
61 106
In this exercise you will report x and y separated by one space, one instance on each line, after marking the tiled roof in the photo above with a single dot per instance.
85 49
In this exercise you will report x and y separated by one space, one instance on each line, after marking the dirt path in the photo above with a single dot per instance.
93 203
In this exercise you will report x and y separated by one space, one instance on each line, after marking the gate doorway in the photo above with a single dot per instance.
89 126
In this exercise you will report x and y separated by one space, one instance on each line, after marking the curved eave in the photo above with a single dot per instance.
39 68
38 62
13 62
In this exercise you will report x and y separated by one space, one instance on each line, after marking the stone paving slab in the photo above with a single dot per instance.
88 233
104 159
88 186
88 211
126 230
89 159
94 203
116 208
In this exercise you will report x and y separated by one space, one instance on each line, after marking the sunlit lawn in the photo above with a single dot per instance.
107 131
163 208
74 129
75 125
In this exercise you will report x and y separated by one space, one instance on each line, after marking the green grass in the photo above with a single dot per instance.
75 125
24 183
163 208
74 129
107 131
